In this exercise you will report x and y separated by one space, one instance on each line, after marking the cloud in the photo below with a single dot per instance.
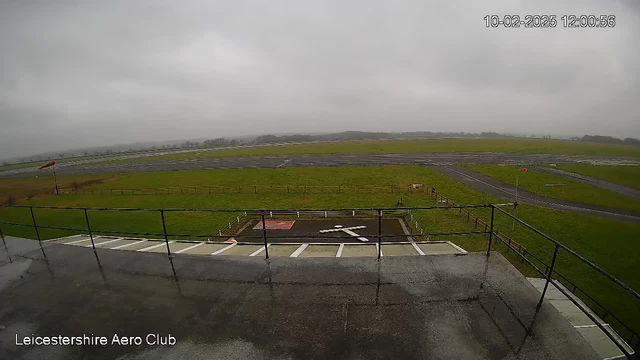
76 74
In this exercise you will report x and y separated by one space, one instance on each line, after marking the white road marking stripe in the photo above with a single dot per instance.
224 249
104 242
189 248
156 246
63 238
339 253
463 251
259 250
126 245
342 229
299 250
415 246
77 241
588 326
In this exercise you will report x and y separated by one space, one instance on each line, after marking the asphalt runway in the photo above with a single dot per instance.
494 187
281 161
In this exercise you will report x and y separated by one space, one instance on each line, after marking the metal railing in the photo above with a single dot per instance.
379 213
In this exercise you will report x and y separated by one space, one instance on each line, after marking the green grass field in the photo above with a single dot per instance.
535 182
623 175
528 146
605 242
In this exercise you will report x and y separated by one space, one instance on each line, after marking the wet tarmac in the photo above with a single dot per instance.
418 307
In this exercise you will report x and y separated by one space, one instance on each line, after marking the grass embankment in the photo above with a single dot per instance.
536 182
622 175
608 243
525 146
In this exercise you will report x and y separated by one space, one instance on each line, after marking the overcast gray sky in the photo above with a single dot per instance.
82 73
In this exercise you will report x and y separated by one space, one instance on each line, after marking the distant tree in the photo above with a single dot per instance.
86 153
601 139
631 141
61 156
4 163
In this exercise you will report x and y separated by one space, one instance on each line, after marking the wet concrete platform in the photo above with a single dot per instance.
414 307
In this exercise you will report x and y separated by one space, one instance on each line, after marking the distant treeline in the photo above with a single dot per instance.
610 140
299 138
363 135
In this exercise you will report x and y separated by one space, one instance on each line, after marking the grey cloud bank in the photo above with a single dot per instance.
75 74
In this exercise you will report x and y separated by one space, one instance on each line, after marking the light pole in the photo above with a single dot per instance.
55 179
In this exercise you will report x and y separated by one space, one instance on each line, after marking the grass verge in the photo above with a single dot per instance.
536 182
622 175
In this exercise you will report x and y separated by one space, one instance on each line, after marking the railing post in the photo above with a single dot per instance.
493 209
546 284
35 226
6 249
264 236
86 217
164 230
379 234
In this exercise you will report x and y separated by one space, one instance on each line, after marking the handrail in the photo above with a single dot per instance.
572 252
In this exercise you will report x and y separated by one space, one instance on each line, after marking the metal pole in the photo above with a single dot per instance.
379 234
5 246
491 229
35 226
86 217
55 179
164 229
513 221
546 284
264 235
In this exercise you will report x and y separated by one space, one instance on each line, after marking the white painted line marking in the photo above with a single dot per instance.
587 326
339 253
155 246
299 250
343 229
283 164
224 249
104 242
77 241
259 250
415 246
126 245
189 248
348 231
63 238
462 251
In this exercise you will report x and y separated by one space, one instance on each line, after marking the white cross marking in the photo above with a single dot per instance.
348 231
